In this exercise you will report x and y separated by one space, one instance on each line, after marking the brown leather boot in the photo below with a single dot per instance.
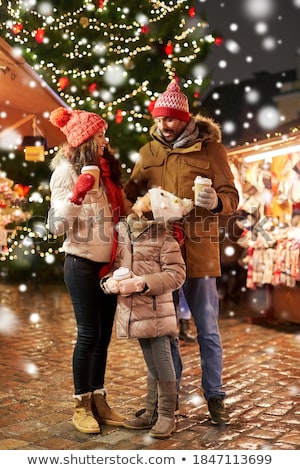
103 412
185 333
167 397
83 419
148 418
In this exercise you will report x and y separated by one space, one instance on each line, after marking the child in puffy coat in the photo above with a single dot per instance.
145 307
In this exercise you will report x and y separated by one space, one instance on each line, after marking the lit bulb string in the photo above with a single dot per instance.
109 106
102 25
16 12
168 64
18 240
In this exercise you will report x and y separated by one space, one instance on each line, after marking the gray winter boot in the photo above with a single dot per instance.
167 397
147 419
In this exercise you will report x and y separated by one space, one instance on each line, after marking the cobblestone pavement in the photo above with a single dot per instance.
37 334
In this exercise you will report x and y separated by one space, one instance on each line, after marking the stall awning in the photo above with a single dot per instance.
25 102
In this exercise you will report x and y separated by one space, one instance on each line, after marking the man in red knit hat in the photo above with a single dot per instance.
183 147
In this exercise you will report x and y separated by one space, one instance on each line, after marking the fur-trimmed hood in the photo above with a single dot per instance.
209 130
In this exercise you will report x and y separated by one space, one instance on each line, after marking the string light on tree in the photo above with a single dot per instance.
80 52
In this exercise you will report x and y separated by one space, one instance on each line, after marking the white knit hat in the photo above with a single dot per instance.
167 206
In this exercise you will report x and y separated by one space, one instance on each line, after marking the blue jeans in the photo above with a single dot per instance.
94 313
202 298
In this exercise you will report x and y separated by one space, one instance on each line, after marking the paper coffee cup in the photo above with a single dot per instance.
92 170
199 183
121 274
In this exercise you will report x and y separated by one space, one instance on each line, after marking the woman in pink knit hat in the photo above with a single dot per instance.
87 219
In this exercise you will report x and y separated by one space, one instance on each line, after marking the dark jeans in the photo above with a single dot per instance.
94 313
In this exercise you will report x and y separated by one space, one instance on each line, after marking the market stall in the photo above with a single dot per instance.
25 102
267 176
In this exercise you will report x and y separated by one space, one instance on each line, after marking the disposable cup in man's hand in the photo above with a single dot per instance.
199 183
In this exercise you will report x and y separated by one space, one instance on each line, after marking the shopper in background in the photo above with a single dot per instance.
183 147
87 219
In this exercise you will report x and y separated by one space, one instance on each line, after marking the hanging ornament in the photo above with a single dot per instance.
119 117
21 190
169 48
101 4
84 21
63 82
92 87
145 29
218 40
192 12
17 28
39 35
196 94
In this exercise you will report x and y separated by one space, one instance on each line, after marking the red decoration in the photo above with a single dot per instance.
17 28
39 35
21 190
145 29
101 4
218 40
192 12
196 95
169 48
92 87
63 82
119 117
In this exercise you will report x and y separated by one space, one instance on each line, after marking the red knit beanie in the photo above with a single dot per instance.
172 103
78 126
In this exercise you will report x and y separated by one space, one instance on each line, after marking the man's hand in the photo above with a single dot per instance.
207 198
132 285
83 184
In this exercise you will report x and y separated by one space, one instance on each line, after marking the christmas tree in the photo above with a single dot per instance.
113 57
109 57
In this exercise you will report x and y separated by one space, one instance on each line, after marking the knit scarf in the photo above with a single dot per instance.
115 198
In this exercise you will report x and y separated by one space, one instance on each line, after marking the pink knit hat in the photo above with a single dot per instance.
172 103
78 126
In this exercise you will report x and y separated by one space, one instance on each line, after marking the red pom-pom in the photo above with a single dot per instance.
60 117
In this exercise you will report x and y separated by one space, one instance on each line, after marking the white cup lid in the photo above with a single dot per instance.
121 273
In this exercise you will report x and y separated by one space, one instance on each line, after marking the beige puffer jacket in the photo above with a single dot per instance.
149 251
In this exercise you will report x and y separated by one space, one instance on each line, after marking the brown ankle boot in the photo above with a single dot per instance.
185 333
83 419
103 412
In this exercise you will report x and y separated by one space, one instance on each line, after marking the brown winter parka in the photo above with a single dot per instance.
174 169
